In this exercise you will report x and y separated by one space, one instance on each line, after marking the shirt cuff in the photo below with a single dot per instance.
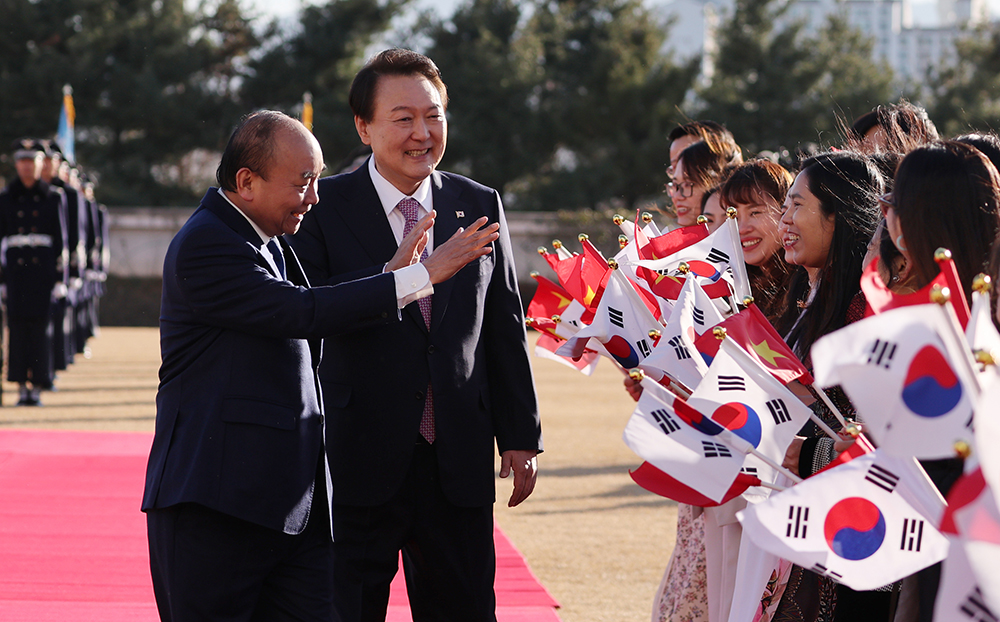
412 283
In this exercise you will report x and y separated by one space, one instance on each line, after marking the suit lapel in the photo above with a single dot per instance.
362 213
452 213
228 214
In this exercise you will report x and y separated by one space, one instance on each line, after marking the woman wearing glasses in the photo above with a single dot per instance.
698 168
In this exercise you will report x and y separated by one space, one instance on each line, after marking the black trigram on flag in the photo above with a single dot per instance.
798 519
881 353
975 608
643 347
749 470
823 570
679 348
778 411
715 450
617 317
699 316
717 256
913 535
665 421
732 383
882 477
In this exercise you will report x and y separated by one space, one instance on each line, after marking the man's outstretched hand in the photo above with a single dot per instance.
465 246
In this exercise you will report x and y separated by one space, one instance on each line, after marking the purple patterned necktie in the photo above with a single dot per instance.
410 209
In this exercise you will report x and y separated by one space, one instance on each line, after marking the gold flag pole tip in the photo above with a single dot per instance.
719 333
618 219
556 244
582 237
701 220
942 254
853 430
982 283
612 264
636 374
647 217
731 212
940 295
963 449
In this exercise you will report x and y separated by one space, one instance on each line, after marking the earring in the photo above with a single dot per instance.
899 242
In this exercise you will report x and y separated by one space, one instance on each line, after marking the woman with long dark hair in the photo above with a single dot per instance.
831 211
946 195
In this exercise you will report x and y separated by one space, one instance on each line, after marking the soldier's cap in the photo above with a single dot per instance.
27 149
51 148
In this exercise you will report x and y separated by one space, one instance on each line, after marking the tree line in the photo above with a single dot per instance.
560 104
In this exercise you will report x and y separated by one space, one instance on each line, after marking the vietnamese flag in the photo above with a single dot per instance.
585 275
751 330
549 300
546 346
881 299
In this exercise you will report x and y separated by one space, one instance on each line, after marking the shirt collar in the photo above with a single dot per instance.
390 196
264 238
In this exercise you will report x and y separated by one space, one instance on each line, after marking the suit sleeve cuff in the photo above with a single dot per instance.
412 283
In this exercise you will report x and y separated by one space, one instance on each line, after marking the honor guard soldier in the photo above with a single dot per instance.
55 173
32 241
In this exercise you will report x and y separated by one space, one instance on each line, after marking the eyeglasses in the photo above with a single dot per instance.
887 202
683 190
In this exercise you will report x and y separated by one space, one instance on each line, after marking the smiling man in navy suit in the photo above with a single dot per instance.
238 486
416 408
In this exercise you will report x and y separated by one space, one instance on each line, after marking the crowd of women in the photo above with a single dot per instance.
882 201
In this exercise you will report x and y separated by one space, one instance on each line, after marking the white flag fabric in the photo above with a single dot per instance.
693 314
981 333
959 596
698 457
709 260
744 397
974 518
570 323
627 259
899 369
852 523
621 324
988 432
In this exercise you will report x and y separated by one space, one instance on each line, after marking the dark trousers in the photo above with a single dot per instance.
449 559
211 566
30 351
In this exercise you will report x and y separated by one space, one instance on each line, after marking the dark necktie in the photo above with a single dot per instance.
410 209
278 257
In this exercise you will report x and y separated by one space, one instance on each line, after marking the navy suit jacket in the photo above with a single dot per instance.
239 421
474 355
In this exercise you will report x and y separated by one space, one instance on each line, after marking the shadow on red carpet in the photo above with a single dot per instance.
73 541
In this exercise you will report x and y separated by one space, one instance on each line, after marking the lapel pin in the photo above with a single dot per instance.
459 214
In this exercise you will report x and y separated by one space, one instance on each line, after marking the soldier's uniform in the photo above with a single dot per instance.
32 243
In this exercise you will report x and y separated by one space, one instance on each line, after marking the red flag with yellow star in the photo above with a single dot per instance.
670 243
549 300
751 330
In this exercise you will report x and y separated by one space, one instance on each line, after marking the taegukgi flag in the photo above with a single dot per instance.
745 398
903 371
864 523
675 354
686 445
622 324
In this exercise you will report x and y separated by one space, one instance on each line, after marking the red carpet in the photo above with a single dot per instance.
73 541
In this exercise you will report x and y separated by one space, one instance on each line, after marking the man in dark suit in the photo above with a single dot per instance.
415 407
237 485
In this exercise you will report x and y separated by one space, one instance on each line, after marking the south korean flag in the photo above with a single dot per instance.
865 523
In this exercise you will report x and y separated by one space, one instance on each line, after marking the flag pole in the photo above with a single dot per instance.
739 265
850 427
